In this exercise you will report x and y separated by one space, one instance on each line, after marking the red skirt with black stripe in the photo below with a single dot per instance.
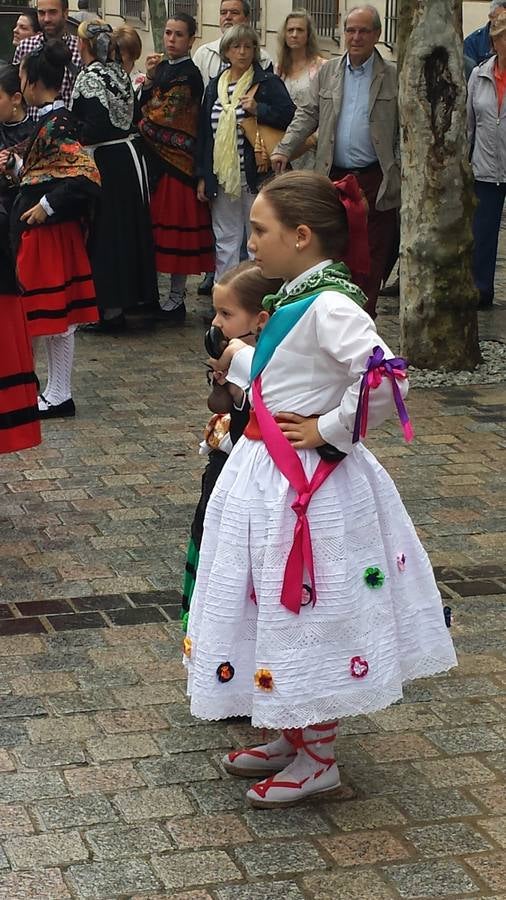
182 234
55 277
19 414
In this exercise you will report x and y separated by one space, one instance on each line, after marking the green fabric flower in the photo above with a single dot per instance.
184 622
374 577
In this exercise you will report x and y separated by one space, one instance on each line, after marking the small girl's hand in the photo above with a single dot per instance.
223 363
302 432
34 216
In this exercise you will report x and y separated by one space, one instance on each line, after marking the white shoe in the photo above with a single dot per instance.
263 760
285 791
307 775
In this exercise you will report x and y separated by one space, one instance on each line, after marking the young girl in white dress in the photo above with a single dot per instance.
314 598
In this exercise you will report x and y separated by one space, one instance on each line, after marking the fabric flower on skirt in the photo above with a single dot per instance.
225 672
401 562
187 647
359 667
374 577
264 679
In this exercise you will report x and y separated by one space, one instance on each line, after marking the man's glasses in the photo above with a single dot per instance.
359 31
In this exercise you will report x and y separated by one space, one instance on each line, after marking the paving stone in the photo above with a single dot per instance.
72 728
46 884
17 707
28 786
431 879
208 831
358 884
45 850
184 740
45 756
83 701
13 733
119 842
365 814
146 695
131 746
21 645
466 740
428 804
6 762
299 820
384 748
124 721
295 856
364 847
496 828
491 796
90 681
281 890
102 779
415 717
188 768
110 658
14 820
463 770
152 803
447 840
469 712
491 869
218 796
201 867
101 880
385 779
75 812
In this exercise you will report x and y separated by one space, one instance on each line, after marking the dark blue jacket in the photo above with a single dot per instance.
477 46
274 107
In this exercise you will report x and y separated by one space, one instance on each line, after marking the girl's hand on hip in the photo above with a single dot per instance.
34 216
301 431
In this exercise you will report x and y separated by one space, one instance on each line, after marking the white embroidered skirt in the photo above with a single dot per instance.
378 620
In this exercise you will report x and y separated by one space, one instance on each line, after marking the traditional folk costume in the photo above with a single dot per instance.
121 247
314 598
19 414
220 435
181 224
52 264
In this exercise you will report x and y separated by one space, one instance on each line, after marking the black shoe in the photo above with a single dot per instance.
205 287
64 410
486 300
107 326
172 317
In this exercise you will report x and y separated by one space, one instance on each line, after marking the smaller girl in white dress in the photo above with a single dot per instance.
314 598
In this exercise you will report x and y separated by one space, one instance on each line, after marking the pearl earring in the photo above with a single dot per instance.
14 109
297 246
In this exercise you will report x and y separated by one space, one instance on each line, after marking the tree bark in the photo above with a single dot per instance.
438 313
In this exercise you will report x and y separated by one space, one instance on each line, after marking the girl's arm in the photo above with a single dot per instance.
349 335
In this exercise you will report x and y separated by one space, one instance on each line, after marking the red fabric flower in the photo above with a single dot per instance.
264 679
359 667
225 672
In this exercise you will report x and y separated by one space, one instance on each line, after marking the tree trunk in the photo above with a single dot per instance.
438 314
158 18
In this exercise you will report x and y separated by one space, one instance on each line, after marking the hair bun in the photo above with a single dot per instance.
57 53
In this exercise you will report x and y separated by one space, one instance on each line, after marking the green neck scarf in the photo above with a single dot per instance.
335 277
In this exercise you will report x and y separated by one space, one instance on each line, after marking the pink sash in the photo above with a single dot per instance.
287 460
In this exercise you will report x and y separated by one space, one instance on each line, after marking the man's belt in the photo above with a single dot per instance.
358 170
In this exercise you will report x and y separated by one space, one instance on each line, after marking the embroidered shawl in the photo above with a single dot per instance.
55 152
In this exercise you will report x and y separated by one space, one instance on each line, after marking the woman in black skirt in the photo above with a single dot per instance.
121 246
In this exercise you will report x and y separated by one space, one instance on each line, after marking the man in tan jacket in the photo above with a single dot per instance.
352 103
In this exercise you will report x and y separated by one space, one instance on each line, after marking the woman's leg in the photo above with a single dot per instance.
486 224
226 214
60 358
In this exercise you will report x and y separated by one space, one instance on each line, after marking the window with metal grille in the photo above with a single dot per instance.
256 12
323 14
390 29
133 9
190 7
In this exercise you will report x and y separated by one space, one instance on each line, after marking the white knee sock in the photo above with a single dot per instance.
60 357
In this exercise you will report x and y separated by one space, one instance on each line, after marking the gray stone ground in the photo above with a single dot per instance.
108 789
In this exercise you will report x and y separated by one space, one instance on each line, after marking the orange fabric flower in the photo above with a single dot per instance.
264 679
187 647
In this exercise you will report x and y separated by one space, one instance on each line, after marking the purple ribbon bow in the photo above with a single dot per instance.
377 368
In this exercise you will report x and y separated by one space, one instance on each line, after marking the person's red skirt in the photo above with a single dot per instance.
55 277
184 243
19 414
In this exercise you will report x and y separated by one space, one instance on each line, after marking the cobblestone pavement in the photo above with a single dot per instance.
108 789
